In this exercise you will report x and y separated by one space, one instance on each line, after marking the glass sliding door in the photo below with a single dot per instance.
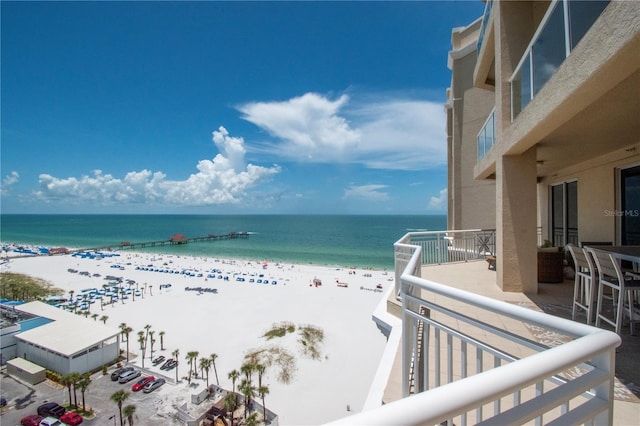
630 206
564 213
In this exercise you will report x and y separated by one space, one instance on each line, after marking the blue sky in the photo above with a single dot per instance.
226 107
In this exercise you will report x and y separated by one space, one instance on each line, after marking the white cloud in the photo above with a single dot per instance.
401 134
439 202
8 181
308 127
381 133
223 180
366 192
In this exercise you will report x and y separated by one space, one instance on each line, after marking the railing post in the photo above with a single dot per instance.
605 361
406 343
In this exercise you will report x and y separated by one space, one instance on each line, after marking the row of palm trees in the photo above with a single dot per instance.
246 385
146 339
77 381
248 390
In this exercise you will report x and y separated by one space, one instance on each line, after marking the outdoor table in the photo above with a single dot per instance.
629 253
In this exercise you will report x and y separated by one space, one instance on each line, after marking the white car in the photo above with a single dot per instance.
128 376
50 421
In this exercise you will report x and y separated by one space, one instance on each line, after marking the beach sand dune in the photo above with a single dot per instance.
232 322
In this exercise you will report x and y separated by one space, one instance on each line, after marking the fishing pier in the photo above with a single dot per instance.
176 239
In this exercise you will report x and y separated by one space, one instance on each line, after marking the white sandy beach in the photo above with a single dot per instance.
232 322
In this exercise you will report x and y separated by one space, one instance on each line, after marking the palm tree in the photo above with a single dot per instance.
128 412
262 391
251 419
124 331
248 391
161 334
74 377
95 317
233 375
260 368
83 384
119 397
142 346
213 358
247 369
146 329
190 357
104 318
65 380
150 292
175 354
152 341
133 293
205 365
230 405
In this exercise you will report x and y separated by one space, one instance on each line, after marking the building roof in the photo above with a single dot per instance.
68 334
25 365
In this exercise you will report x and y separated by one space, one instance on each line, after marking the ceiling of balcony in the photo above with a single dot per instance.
609 124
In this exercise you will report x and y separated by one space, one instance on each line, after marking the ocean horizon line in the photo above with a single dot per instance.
348 240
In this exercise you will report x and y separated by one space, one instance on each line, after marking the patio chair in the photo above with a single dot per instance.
584 290
622 292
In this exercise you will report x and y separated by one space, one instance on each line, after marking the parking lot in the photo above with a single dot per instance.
23 400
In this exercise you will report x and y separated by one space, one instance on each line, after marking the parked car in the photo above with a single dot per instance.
32 420
50 421
128 376
116 373
166 363
52 409
140 383
158 360
71 418
3 401
151 386
170 364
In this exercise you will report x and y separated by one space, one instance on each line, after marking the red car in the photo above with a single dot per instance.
140 383
71 418
32 420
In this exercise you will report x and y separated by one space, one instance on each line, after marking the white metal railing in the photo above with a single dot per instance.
438 247
474 370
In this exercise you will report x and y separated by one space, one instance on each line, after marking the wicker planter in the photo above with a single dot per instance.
550 266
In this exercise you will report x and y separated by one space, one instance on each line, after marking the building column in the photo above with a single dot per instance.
516 212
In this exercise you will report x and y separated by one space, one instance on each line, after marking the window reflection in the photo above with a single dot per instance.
582 15
549 49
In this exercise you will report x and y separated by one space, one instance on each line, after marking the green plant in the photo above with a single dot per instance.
279 330
546 244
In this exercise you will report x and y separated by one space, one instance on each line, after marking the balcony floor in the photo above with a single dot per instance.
554 299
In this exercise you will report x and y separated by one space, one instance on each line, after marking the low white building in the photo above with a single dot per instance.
68 343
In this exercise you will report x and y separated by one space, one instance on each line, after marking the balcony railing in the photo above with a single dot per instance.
487 135
563 26
466 367
485 22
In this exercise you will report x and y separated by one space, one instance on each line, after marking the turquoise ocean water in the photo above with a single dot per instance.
349 240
